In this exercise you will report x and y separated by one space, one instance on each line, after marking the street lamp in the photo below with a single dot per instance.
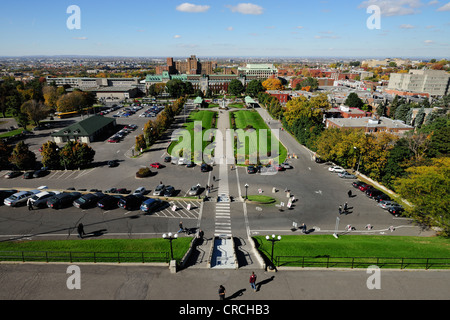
273 240
170 237
246 189
359 161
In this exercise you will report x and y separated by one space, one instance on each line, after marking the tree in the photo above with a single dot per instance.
273 84
353 101
236 87
175 88
76 155
50 155
22 157
254 88
36 111
140 143
75 101
420 118
401 112
427 188
51 96
397 162
310 82
5 153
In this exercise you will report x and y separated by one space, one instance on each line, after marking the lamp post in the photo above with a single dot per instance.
246 189
273 240
170 237
359 161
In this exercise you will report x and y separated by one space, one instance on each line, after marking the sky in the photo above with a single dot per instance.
227 28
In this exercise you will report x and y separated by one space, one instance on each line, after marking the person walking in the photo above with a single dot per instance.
222 292
349 193
340 209
29 204
214 178
181 227
80 230
253 281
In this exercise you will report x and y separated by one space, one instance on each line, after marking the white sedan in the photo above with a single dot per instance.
336 169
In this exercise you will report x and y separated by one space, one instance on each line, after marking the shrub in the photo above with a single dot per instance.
143 173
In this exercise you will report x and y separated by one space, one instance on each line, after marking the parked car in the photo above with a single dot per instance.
131 202
319 160
40 199
396 210
372 193
156 165
385 204
62 200
28 175
140 191
286 165
169 191
364 186
150 205
19 198
280 168
182 161
381 197
168 159
12 174
357 184
113 163
336 169
190 164
109 202
88 200
251 169
40 173
195 190
346 175
114 140
159 190
205 167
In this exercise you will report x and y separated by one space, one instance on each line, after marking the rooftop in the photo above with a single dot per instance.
84 128
370 122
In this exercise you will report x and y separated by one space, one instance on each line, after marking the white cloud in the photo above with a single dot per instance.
230 28
299 27
406 26
247 8
177 36
80 38
192 8
429 41
445 7
394 7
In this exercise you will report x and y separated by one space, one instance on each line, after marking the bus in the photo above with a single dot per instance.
66 115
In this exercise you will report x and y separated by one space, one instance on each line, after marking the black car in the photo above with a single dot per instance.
28 175
356 184
113 163
109 202
40 173
62 200
41 201
169 191
131 202
6 194
167 159
88 200
372 193
251 169
381 197
396 210
204 167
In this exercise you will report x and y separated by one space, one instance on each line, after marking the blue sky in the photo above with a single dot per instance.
409 28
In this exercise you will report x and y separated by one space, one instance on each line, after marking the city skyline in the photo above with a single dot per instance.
409 28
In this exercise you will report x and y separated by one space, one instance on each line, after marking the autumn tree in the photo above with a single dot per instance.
50 155
35 110
273 84
22 157
76 155
140 143
5 153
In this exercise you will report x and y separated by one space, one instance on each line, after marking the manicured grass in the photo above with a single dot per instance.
244 119
106 249
11 133
323 246
261 199
206 118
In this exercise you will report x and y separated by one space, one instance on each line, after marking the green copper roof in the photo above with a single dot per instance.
85 127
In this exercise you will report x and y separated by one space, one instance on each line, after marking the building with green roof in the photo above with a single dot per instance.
85 131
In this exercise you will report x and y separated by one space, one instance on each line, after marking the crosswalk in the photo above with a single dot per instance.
223 220
180 210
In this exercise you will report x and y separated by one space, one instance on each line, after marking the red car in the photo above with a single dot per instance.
280 168
364 187
156 165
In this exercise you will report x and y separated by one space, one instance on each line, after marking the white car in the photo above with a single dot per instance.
140 191
336 169
182 161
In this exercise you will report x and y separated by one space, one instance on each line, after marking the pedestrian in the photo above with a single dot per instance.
214 178
340 209
222 292
345 207
80 230
304 228
200 234
29 204
253 281
349 193
181 227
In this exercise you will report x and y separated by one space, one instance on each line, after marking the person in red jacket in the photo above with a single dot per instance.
253 281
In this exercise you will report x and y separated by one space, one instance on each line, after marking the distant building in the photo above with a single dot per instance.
191 65
370 125
261 71
433 82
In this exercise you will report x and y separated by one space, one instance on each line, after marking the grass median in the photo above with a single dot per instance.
317 250
94 250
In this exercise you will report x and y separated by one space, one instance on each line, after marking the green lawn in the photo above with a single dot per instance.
251 149
155 250
323 246
206 118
